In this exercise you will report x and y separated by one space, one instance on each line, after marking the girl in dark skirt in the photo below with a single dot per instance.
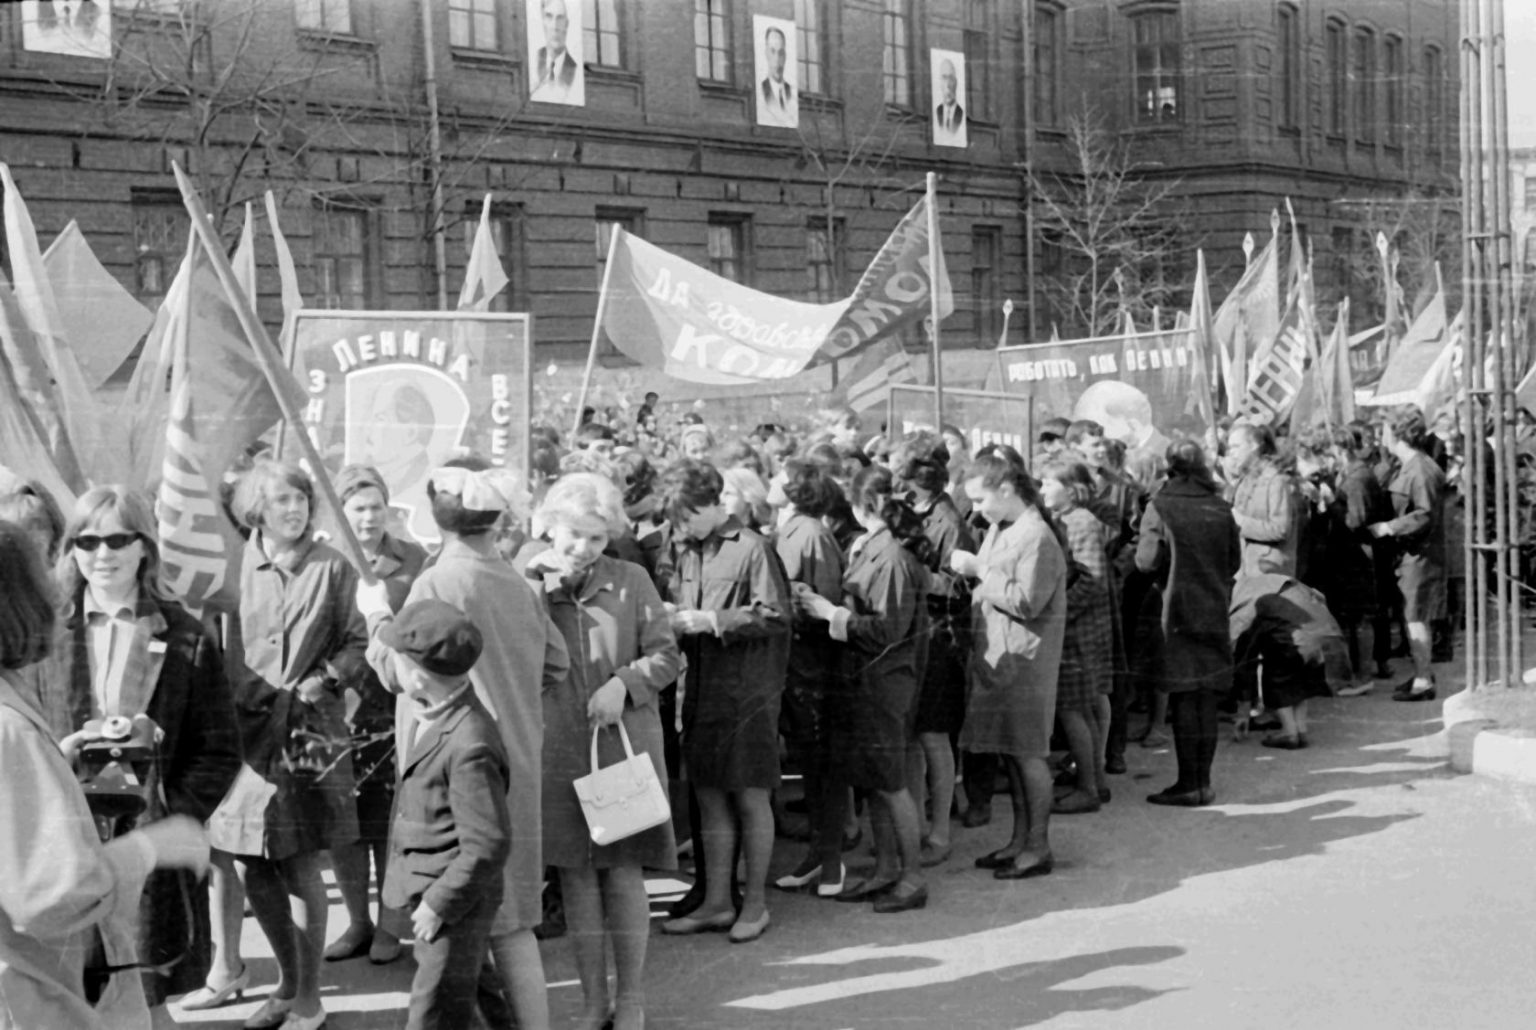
884 621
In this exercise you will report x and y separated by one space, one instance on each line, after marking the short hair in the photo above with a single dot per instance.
874 491
584 495
136 514
809 488
634 472
250 500
774 30
747 483
1080 428
922 459
545 460
686 486
1056 428
591 432
741 454
27 613
357 478
1356 439
1262 436
1408 425
33 508
1073 475
651 395
448 510
1186 460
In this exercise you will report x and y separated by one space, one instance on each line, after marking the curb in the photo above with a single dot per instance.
1479 745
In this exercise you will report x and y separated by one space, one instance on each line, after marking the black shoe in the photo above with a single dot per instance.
866 890
899 900
1407 693
1114 765
996 859
1181 798
1014 871
976 816
1284 742
687 904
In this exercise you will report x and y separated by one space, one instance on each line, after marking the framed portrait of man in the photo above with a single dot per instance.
556 72
947 68
777 94
74 28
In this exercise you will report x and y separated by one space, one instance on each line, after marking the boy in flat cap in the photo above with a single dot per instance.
450 834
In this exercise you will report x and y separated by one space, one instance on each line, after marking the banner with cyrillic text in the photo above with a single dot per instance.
981 416
404 391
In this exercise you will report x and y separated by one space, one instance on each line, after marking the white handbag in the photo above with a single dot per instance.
623 799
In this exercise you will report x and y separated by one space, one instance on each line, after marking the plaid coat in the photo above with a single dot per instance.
1088 649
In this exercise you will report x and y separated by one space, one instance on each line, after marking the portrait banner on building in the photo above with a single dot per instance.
404 391
72 28
947 68
1140 388
982 416
556 63
776 62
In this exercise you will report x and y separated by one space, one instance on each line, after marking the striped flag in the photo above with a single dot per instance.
868 384
1276 379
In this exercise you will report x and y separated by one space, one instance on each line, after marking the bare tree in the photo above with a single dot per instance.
1422 229
1115 233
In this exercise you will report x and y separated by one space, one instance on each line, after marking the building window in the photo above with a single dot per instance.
986 259
711 41
1392 60
1155 41
810 35
978 58
603 34
472 24
897 63
823 260
1434 97
324 15
341 259
160 228
1289 64
1362 74
1047 47
1530 192
628 219
1529 263
1338 77
730 247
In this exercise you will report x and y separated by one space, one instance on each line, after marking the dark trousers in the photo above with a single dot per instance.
447 969
1195 730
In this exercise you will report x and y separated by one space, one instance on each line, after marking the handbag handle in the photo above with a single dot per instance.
629 752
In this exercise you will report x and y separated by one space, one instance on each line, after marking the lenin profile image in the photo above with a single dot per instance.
776 102
555 76
1126 415
949 116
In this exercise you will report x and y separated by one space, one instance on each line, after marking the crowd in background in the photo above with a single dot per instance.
905 625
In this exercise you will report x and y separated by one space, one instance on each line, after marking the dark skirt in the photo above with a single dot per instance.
732 747
173 927
941 699
870 728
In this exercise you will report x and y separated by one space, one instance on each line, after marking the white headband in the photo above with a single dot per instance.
493 489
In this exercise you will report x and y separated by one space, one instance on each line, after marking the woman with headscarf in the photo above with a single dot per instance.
524 656
1189 544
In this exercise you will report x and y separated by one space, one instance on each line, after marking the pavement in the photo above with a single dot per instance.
1360 883
1491 731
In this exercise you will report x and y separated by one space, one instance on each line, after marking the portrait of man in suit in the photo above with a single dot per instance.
778 101
555 72
949 127
75 28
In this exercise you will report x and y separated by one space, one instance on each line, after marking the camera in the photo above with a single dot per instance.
114 771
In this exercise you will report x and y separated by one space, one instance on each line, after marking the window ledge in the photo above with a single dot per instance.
820 102
492 60
1289 130
721 89
611 73
319 39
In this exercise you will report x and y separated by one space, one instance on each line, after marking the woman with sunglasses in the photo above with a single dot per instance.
129 651
60 886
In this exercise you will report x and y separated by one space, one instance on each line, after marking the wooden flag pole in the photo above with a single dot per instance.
266 357
933 303
597 330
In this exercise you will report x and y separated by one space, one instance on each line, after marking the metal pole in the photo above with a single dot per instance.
434 156
1476 536
597 328
933 302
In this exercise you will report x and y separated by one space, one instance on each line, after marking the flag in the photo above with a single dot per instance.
101 320
221 402
1418 351
1250 315
1277 378
483 276
1327 396
670 314
23 447
1202 334
288 280
868 384
145 406
244 259
76 429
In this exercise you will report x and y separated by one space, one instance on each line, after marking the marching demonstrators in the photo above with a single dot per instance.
473 667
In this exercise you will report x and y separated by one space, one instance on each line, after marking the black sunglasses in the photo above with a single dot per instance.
114 541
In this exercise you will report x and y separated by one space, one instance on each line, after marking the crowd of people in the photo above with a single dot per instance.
903 623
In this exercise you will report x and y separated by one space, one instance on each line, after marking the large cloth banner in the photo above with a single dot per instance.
981 416
404 391
1141 389
672 315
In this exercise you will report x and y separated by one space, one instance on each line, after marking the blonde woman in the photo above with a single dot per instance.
623 653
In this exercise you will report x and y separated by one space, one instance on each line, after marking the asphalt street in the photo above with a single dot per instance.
1356 884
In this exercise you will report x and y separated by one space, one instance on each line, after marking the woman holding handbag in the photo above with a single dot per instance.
622 654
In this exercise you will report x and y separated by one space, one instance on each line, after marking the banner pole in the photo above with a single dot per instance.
266 357
933 303
597 328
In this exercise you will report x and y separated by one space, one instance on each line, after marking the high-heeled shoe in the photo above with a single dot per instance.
832 890
273 1014
210 997
807 871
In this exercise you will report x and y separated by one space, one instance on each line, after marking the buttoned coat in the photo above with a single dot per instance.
613 624
1264 504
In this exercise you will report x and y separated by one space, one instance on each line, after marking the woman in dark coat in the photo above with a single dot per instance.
1362 565
732 617
160 662
1190 544
883 619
